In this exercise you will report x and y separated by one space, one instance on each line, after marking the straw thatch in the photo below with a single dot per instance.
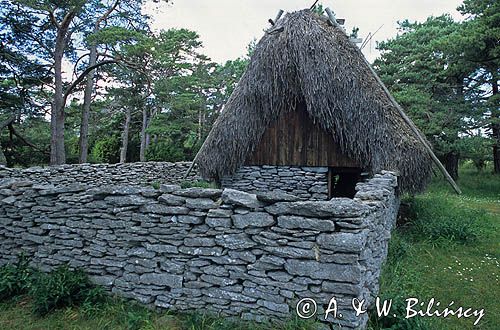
315 63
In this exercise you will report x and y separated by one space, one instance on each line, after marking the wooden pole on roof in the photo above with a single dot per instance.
278 16
408 121
314 5
416 131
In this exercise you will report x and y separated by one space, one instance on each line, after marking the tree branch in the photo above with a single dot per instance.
106 14
53 18
83 75
7 122
13 131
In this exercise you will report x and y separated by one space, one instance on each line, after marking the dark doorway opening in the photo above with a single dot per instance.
342 181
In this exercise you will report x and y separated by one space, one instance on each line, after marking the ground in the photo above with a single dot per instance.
446 247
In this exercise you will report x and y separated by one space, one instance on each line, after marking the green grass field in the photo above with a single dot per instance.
449 250
446 247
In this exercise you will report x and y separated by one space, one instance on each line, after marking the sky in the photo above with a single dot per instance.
226 27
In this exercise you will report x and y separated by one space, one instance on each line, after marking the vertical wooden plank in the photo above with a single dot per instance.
330 187
282 140
274 147
294 140
310 137
291 138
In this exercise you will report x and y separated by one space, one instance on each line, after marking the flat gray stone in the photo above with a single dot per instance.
169 188
199 193
126 200
200 203
9 200
295 222
189 219
199 241
171 200
276 196
337 208
218 222
253 219
219 213
163 209
316 270
241 198
162 248
235 241
343 242
171 281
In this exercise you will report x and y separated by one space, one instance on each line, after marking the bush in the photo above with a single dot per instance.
106 150
62 288
16 279
439 220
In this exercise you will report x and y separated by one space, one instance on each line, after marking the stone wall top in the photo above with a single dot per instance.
142 174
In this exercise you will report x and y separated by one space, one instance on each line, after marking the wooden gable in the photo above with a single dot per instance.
295 140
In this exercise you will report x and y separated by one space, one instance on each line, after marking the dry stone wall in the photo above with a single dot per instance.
141 174
308 183
223 251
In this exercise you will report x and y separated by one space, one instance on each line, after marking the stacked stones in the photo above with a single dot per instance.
142 174
224 251
307 183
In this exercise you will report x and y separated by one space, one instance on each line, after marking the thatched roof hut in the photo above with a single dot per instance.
313 63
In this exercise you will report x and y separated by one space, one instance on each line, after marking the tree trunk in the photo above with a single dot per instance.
142 152
126 128
3 159
200 125
495 126
148 140
451 164
57 152
87 99
57 116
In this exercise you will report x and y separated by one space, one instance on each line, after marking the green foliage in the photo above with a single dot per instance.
36 131
437 220
106 150
396 320
198 184
164 151
62 287
476 149
419 72
418 267
399 248
15 279
474 184
204 321
396 286
136 316
319 9
445 74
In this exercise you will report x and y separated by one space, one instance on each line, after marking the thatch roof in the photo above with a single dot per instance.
313 62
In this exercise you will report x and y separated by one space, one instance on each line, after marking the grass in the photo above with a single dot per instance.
198 184
446 248
456 258
119 314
